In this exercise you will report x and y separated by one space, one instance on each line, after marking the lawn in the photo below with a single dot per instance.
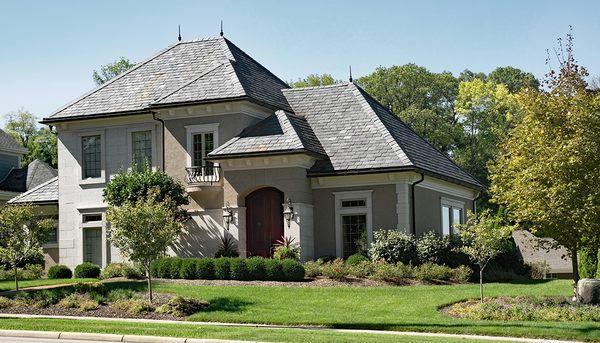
214 332
10 285
412 308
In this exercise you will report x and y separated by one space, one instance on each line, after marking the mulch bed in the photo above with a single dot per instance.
101 311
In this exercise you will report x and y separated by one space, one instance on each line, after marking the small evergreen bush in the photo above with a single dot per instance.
205 268
362 269
292 270
393 246
355 259
87 270
256 268
336 270
313 269
431 271
59 271
187 269
238 269
222 268
274 270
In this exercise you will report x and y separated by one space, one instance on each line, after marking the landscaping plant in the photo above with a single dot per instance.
393 246
228 247
21 235
87 270
59 271
286 248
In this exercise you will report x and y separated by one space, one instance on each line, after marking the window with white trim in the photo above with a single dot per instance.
452 215
354 217
141 148
91 147
201 140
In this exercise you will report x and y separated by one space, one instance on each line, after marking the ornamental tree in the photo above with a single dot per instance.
143 230
21 235
483 236
548 171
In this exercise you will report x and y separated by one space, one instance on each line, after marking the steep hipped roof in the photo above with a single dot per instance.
279 133
532 250
7 143
46 192
187 72
28 177
360 135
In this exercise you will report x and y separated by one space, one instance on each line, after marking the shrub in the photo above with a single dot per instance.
59 271
5 302
394 246
80 301
362 269
326 258
114 270
32 272
507 265
160 268
356 259
588 263
256 268
336 270
539 269
87 270
430 271
274 270
395 273
292 270
238 269
222 268
179 306
285 248
120 294
205 268
47 297
228 247
461 274
313 269
175 268
433 248
133 306
188 269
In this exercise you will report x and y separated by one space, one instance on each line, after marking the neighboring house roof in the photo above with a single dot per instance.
558 259
360 135
23 179
46 192
281 132
198 71
7 143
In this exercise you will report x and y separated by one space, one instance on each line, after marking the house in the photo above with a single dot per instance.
247 148
10 158
533 250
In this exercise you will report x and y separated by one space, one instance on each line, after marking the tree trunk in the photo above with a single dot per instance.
481 282
575 266
149 283
16 278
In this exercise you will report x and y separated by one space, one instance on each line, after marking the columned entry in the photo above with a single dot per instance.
264 221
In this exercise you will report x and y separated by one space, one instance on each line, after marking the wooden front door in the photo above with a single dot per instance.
264 221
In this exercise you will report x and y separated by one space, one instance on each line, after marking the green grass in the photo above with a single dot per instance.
10 285
213 332
381 308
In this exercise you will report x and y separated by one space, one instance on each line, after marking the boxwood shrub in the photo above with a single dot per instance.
59 271
87 270
228 268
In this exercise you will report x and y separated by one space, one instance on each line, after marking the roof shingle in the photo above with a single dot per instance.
46 192
8 143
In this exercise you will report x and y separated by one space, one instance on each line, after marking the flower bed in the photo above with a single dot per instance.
525 309
98 300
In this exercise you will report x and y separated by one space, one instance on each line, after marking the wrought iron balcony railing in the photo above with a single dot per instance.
202 174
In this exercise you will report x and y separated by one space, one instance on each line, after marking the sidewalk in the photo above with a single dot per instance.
152 339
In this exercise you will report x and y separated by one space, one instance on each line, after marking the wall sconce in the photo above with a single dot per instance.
288 212
227 215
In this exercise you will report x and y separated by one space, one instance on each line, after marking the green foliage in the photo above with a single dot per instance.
114 270
285 248
179 306
461 274
313 269
434 248
539 269
80 301
228 247
256 268
431 272
362 269
187 269
292 270
222 268
175 268
588 263
356 259
394 273
313 80
133 305
336 270
514 79
41 142
5 303
238 269
109 71
205 268
87 270
59 271
131 186
274 270
120 294
21 235
393 246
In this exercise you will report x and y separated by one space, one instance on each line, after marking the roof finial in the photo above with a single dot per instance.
221 33
350 73
179 30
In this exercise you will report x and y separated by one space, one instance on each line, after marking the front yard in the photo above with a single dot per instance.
409 308
10 285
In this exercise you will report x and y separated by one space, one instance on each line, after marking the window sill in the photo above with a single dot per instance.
92 181
50 245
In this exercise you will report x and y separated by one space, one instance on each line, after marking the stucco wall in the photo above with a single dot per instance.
428 210
383 207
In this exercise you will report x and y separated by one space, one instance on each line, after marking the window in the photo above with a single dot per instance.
141 146
203 143
92 156
94 217
52 236
452 215
201 140
354 203
354 229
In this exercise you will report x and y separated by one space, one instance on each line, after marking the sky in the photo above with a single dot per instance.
49 49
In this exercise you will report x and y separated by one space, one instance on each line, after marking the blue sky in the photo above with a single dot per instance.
48 49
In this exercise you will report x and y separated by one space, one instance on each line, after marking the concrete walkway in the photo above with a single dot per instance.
183 340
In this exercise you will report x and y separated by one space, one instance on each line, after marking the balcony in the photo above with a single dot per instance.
202 178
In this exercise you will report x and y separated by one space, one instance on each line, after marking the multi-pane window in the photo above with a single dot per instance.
92 156
141 146
451 217
203 143
354 229
354 203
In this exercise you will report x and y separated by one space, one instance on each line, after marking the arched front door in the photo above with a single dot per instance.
264 221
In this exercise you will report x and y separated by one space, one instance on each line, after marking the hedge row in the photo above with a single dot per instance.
227 268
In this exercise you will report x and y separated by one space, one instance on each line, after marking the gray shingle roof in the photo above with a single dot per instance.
359 134
186 72
46 192
281 132
7 143
28 177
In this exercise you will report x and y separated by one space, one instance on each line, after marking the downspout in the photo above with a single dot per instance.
479 196
412 206
162 122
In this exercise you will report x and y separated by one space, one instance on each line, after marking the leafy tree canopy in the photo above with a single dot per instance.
513 78
41 142
108 71
314 80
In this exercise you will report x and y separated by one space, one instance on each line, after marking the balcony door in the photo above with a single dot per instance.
264 221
